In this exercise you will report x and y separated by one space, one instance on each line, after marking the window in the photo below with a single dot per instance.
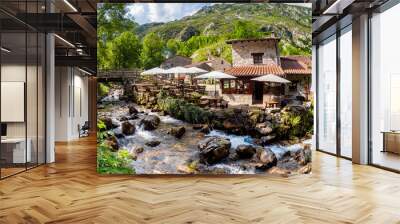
385 89
233 84
226 84
346 92
257 58
326 96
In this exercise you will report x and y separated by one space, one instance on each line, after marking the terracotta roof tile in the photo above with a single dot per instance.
296 65
255 70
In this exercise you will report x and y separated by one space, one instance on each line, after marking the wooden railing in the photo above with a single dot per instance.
128 74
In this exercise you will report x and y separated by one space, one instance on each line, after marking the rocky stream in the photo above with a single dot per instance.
162 144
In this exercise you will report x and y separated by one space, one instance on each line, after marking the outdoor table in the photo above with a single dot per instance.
271 104
213 100
391 141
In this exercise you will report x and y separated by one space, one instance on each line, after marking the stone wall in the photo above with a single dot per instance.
241 52
219 64
237 99
176 61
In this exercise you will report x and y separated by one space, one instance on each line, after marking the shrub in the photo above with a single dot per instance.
109 162
103 89
182 110
296 124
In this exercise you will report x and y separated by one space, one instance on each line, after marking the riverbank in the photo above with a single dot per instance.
226 141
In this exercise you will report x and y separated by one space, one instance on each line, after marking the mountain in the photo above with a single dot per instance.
291 23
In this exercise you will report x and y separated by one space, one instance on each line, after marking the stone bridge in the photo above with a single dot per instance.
127 77
123 75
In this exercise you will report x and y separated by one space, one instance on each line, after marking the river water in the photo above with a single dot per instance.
173 155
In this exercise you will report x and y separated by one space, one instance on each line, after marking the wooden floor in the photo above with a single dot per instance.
70 191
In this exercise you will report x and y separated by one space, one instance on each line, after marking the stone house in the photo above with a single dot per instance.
212 64
256 57
176 60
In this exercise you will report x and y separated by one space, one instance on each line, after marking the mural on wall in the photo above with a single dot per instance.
199 88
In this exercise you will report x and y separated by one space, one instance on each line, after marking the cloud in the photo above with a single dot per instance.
136 11
165 12
162 12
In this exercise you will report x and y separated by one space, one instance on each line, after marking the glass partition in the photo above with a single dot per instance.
14 151
327 95
346 92
22 88
385 89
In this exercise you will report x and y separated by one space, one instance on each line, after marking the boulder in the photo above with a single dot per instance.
152 143
127 118
305 169
128 128
213 149
303 156
231 124
112 142
118 133
139 149
205 129
267 159
245 151
268 116
294 108
133 117
264 128
123 118
115 124
265 140
177 132
219 115
197 126
110 123
150 122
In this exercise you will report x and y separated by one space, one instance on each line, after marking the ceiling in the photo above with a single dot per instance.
330 15
74 22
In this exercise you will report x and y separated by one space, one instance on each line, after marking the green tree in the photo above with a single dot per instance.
112 21
124 52
243 29
152 53
173 46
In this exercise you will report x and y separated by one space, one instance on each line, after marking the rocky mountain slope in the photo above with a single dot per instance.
291 23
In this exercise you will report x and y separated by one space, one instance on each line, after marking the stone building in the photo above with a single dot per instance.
176 60
256 57
212 64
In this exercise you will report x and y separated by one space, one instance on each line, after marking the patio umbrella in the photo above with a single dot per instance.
153 71
215 75
271 78
195 70
177 70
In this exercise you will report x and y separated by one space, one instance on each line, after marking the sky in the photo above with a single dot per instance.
162 12
165 12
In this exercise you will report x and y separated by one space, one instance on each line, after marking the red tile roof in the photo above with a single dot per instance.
299 65
255 70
